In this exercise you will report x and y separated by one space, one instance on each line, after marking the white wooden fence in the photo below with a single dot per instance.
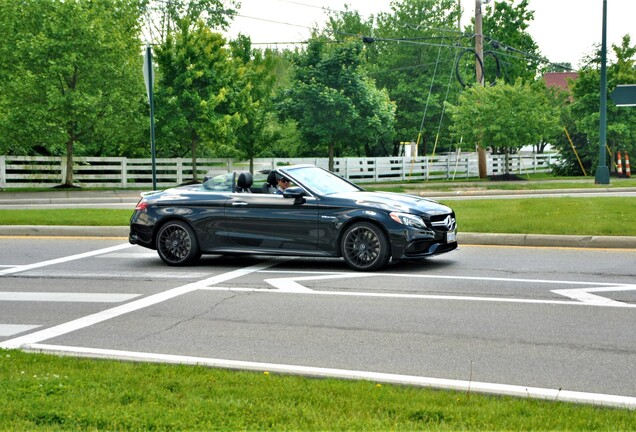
119 172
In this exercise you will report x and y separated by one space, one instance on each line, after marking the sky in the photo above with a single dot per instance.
565 30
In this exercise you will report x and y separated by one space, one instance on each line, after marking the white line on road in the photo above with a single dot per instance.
438 383
426 297
581 296
65 297
21 268
105 315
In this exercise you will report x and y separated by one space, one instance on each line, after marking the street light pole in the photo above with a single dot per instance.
602 171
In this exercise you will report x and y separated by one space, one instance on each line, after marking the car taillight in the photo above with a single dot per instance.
141 206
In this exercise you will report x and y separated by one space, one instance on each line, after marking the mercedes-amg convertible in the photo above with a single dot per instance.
319 215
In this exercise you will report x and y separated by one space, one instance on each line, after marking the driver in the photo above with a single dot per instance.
282 184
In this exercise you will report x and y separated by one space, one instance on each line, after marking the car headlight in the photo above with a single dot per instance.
408 220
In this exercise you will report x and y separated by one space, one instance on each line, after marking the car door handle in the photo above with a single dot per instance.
239 204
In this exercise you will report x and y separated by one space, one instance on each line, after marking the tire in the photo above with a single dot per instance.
365 247
177 244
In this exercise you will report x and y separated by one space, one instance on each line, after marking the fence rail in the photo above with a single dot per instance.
120 172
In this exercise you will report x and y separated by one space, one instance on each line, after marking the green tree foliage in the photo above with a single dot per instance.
201 97
266 71
582 118
413 55
163 17
505 116
69 73
505 26
337 108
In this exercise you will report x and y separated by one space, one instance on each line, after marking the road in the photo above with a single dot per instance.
543 322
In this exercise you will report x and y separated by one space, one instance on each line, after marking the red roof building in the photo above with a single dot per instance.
559 79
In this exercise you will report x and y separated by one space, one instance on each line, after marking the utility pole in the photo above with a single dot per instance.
479 74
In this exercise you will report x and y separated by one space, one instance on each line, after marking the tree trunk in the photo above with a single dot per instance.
483 167
70 144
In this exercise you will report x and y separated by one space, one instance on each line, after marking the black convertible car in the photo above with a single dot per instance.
319 215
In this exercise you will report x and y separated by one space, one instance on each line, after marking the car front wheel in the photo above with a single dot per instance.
177 244
365 247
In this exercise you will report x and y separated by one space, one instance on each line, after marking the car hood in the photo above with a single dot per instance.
396 202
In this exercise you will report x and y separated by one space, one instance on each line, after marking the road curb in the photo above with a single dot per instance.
547 240
63 231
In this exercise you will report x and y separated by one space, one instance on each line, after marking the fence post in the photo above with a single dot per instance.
180 171
63 169
3 172
123 166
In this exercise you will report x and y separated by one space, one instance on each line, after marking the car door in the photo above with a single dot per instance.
272 223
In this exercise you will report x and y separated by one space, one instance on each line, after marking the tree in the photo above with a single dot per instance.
583 115
505 117
162 17
337 108
266 71
201 95
68 82
413 56
505 28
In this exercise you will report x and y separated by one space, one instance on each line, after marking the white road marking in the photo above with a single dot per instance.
21 268
144 302
65 297
132 255
290 284
12 329
585 294
426 297
438 383
581 296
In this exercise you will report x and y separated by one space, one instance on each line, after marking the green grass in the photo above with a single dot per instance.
607 216
535 182
73 217
44 392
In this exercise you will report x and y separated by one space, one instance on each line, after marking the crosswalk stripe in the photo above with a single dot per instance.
65 297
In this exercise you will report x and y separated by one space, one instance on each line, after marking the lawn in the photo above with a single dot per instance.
45 392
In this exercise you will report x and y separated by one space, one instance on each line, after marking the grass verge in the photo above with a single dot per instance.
44 392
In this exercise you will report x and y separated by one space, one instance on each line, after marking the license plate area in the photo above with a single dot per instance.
451 237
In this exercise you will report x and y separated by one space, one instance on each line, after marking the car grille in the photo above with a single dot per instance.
445 222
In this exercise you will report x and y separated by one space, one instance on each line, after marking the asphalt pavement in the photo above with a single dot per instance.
126 199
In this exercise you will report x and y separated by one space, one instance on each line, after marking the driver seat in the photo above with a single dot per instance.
269 187
244 182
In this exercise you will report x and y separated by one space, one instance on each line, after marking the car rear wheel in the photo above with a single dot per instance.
177 244
365 247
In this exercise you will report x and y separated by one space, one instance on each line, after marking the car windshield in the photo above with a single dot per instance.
321 181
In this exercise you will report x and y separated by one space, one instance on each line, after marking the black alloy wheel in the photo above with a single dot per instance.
365 247
177 244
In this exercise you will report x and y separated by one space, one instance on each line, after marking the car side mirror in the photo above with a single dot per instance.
295 192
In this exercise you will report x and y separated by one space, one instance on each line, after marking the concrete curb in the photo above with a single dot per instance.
546 240
63 231
535 240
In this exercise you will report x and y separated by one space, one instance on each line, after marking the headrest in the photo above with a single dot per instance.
272 178
244 180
